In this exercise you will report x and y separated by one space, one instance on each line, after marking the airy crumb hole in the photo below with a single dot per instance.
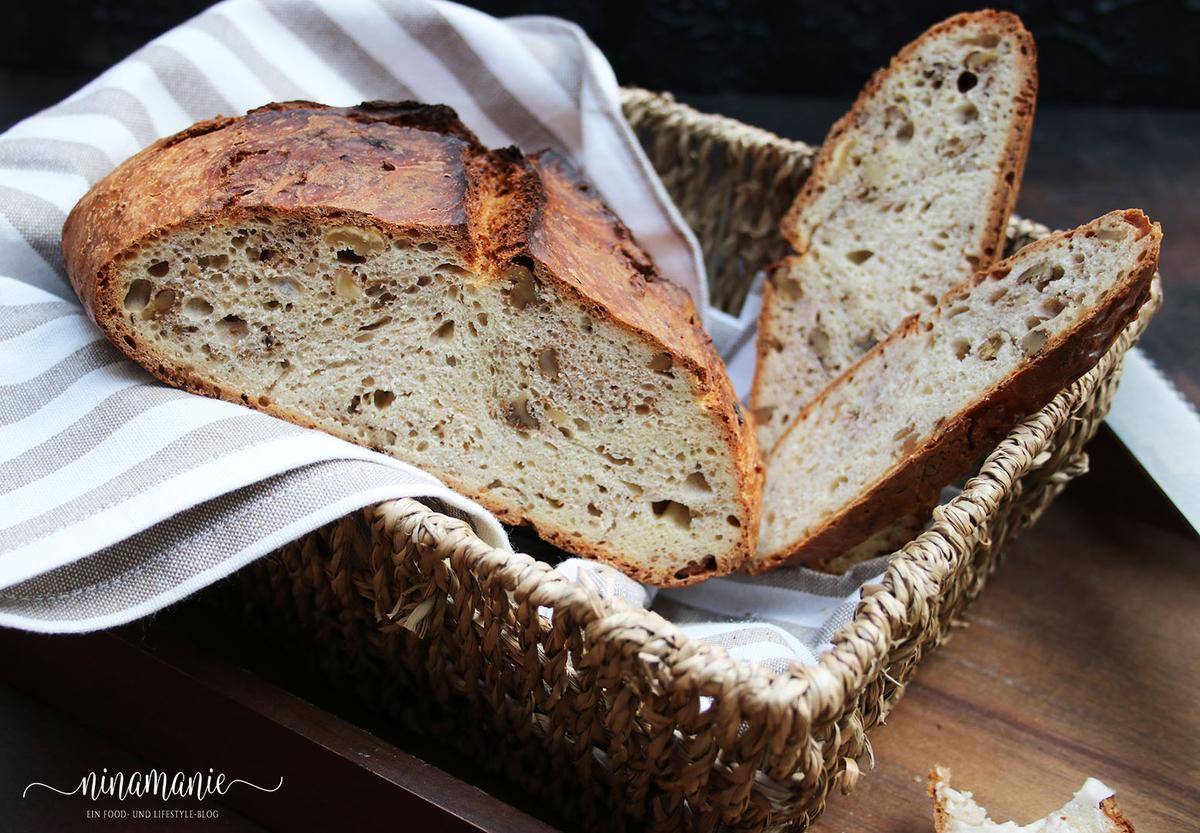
548 363
1041 275
197 308
231 327
859 256
159 269
967 81
518 415
698 482
383 398
163 300
670 510
522 288
138 295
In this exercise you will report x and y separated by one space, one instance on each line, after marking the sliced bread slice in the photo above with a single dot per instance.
923 406
1093 809
376 273
909 195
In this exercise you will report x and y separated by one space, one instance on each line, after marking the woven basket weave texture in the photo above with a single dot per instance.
607 712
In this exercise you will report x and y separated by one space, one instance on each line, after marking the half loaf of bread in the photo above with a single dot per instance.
376 273
926 403
909 196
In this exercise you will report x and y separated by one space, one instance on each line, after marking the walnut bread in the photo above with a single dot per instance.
925 404
909 195
376 273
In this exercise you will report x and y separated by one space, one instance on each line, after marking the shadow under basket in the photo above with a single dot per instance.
608 713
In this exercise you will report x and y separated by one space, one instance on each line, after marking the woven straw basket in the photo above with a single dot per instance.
609 713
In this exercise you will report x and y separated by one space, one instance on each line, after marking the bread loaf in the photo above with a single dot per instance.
926 403
909 195
376 273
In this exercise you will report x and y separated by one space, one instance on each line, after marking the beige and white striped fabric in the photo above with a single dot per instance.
118 495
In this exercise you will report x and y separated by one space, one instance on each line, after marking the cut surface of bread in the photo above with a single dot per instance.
374 272
1093 809
910 194
926 403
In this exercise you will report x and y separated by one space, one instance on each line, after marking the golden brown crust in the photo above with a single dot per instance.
950 452
1008 176
1109 807
405 169
938 775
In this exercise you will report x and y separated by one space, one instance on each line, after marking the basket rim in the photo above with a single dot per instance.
915 574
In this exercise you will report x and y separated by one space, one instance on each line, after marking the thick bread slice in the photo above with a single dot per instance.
1093 809
376 273
926 403
909 195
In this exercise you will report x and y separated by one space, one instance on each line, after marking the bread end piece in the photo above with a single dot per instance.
1093 809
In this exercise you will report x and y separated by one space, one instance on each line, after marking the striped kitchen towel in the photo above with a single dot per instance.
119 495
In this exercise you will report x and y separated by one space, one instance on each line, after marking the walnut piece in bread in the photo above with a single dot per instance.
375 272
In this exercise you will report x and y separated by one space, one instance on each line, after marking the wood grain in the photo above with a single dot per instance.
1081 658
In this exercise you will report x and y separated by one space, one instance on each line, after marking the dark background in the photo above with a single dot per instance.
1092 51
1118 121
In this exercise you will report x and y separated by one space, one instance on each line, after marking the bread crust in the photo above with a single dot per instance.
406 169
951 451
1007 182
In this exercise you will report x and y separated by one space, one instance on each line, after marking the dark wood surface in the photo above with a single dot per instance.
1081 658
183 692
